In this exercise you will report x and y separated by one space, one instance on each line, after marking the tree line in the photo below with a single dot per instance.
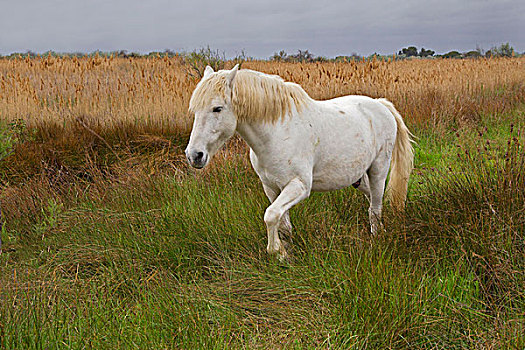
503 50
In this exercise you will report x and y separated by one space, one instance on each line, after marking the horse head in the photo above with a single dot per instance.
215 121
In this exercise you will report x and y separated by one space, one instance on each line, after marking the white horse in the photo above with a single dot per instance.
299 145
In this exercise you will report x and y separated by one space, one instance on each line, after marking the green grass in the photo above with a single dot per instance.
180 261
8 138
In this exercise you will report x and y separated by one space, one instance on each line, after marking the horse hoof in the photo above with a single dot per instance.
284 258
273 250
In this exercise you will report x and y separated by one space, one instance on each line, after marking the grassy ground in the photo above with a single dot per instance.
156 255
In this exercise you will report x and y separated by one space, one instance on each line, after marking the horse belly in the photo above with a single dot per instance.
334 177
343 158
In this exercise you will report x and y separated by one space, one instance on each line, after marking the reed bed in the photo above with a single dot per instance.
122 97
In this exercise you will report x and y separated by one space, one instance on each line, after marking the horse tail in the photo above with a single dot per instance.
402 161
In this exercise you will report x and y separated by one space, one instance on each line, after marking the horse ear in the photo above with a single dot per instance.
207 71
232 74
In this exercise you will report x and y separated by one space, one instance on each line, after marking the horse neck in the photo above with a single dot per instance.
258 135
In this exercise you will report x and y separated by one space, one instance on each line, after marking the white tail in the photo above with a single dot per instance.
402 161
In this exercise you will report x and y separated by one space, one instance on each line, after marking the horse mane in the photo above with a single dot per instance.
255 96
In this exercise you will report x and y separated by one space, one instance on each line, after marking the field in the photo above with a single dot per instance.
110 240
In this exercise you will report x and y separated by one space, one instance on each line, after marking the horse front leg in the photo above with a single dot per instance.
293 193
285 226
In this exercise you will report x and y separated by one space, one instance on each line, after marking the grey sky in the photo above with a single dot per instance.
326 28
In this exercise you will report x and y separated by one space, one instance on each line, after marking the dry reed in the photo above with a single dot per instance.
151 95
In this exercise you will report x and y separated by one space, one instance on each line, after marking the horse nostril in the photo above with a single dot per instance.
199 156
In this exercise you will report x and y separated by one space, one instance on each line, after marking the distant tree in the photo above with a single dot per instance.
302 56
353 57
426 53
321 59
31 54
480 50
409 51
472 54
452 54
169 53
504 50
279 56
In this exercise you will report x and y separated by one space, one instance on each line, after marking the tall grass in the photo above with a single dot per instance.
121 96
181 262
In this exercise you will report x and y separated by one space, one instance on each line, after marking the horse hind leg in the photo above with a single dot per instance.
377 175
364 185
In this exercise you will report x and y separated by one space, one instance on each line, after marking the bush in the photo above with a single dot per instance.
300 56
199 59
504 50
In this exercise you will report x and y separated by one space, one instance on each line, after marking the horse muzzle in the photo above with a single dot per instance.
197 159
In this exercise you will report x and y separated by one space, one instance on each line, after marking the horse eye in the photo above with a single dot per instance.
217 109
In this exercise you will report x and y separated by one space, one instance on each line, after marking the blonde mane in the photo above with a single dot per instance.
255 96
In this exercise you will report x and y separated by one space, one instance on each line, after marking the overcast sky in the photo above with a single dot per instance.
260 28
